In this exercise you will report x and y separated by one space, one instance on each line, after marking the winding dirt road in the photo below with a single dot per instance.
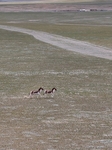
65 43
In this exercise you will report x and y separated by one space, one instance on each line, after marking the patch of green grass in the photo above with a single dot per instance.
94 27
99 35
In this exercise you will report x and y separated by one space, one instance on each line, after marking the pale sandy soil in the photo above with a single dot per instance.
65 43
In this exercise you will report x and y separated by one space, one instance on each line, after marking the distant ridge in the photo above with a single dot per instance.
41 1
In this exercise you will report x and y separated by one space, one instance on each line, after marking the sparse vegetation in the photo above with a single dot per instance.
79 116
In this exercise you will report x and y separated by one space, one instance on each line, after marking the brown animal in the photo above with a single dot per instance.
51 92
38 92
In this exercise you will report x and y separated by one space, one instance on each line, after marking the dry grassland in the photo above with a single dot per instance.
79 117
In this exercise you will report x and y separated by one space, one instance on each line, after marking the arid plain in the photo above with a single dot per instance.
79 116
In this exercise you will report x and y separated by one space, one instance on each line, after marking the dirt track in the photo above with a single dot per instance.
65 43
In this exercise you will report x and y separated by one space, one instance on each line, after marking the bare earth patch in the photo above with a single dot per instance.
65 43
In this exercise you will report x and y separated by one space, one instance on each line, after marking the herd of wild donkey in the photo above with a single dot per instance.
45 92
